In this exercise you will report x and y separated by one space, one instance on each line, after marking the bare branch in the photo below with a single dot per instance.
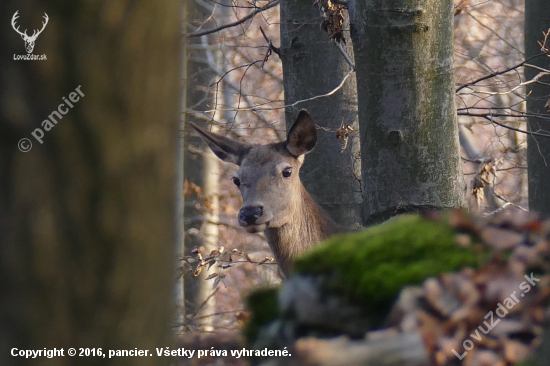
524 62
269 5
346 56
491 30
323 95
296 102
467 112
490 119
270 48
504 207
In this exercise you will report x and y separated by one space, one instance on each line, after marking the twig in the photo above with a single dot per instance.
270 48
466 112
204 302
490 30
323 95
269 5
534 80
296 102
490 119
500 72
277 50
503 207
483 160
346 56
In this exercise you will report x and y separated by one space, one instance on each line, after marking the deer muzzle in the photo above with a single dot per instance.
254 218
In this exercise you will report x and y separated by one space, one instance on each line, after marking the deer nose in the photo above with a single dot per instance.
249 214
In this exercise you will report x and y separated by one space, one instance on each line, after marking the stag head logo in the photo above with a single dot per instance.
29 40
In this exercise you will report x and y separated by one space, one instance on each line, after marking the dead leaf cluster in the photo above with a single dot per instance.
479 307
333 19
343 134
224 260
485 176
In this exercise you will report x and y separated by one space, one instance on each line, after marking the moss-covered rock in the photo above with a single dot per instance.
347 285
262 304
371 266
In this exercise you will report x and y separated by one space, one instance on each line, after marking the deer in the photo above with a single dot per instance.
29 40
274 198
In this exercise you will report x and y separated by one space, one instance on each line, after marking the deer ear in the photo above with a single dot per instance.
226 149
302 136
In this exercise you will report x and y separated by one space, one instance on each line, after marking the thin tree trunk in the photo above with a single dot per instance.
537 16
407 114
87 215
203 169
312 66
210 231
179 289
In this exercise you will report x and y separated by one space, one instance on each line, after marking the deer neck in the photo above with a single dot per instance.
308 226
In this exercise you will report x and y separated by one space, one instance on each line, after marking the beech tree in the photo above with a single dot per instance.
537 29
407 113
313 66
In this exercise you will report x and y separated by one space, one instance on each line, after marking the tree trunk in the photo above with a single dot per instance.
537 14
87 215
407 114
179 289
202 167
312 66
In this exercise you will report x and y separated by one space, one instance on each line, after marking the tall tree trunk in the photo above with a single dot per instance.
179 289
202 167
87 215
407 114
537 16
312 66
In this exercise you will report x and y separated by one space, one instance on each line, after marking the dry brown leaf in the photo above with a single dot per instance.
500 239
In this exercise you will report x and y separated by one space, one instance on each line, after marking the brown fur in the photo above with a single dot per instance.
308 227
272 202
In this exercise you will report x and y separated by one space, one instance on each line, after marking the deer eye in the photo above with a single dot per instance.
236 181
287 172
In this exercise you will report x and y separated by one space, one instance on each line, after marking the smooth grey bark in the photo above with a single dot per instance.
537 20
409 139
312 66
87 217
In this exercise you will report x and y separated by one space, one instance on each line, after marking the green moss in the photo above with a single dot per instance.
262 304
370 267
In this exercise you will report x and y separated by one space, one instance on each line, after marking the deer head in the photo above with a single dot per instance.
268 174
29 40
